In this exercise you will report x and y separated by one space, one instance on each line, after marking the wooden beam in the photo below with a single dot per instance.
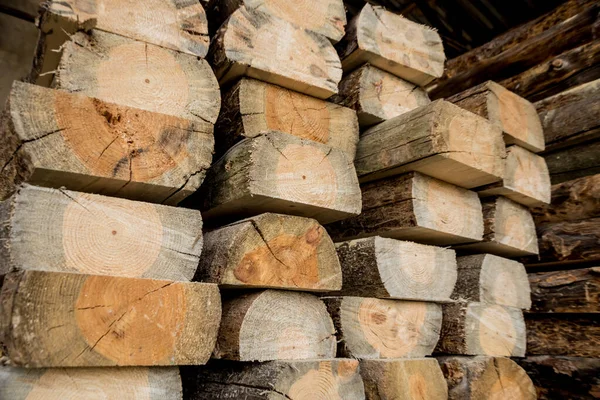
486 377
252 107
310 379
55 319
296 59
440 140
60 139
577 336
368 328
64 231
275 325
277 172
394 44
388 268
574 162
414 207
271 251
568 242
573 291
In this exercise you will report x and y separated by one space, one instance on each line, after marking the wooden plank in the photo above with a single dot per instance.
394 269
571 117
90 383
559 335
262 46
271 251
482 329
573 291
440 140
377 95
172 24
325 17
574 162
311 379
486 378
558 377
489 279
526 179
521 48
132 73
59 139
52 319
252 107
64 231
275 325
414 207
509 230
403 379
394 44
368 328
558 74
516 116
277 172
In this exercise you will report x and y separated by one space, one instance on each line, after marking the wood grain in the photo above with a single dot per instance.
571 291
563 335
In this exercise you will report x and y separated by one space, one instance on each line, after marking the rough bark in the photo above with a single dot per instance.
574 162
572 291
563 335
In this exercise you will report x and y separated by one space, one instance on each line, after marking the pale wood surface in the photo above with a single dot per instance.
258 45
275 325
277 172
509 230
173 24
271 251
486 378
389 268
491 279
516 116
401 379
64 231
252 107
59 139
52 319
482 329
323 17
526 179
377 95
393 43
414 207
368 328
441 140
90 383
298 380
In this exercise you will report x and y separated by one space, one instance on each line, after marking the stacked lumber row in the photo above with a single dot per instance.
92 276
552 62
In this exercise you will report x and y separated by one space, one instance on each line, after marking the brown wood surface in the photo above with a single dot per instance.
574 162
563 335
572 291
567 242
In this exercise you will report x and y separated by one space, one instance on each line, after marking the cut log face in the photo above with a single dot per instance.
526 179
298 380
59 139
63 231
482 329
262 46
54 319
277 172
377 95
489 279
90 383
517 117
509 230
271 251
252 107
388 268
370 328
394 44
403 379
440 140
172 24
275 325
486 378
415 207
324 17
119 70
